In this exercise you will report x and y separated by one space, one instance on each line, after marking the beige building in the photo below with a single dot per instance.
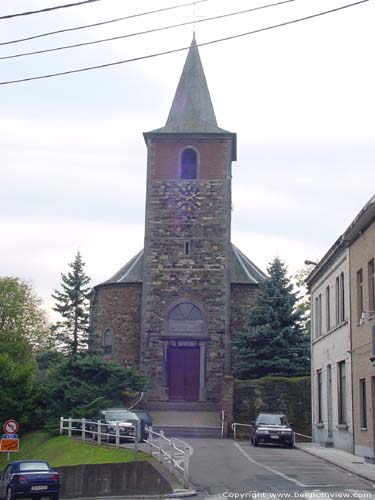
361 239
332 423
342 288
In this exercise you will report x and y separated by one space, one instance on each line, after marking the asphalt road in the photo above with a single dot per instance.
224 469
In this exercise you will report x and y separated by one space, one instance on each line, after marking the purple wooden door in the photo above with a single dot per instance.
183 373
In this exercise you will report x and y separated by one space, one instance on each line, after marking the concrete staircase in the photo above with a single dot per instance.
185 419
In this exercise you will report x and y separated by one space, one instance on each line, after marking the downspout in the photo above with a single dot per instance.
350 348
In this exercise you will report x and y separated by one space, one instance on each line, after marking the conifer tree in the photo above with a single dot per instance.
275 342
72 302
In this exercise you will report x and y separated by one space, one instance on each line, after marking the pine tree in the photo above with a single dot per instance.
275 342
72 303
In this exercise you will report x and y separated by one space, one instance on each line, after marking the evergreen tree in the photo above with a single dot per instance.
275 343
304 302
72 302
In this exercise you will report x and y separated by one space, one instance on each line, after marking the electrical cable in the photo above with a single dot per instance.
172 51
47 9
101 23
43 51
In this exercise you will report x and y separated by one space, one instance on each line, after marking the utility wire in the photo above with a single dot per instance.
43 51
172 51
47 9
101 23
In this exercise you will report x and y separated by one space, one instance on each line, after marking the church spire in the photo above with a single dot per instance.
192 109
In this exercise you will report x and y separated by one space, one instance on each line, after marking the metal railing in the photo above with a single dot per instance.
99 431
234 428
170 451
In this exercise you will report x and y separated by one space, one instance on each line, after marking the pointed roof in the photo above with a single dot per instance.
192 110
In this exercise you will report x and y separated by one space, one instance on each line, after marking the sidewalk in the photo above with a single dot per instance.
347 461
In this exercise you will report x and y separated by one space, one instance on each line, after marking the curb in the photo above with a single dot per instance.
333 462
178 493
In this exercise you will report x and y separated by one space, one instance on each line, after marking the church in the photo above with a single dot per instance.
175 308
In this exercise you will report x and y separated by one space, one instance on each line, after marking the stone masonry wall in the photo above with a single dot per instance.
291 396
203 275
118 307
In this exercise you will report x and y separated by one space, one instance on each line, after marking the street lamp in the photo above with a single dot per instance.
310 263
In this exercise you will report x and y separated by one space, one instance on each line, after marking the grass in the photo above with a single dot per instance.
62 450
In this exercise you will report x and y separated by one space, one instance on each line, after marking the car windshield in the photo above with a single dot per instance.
33 466
117 415
272 419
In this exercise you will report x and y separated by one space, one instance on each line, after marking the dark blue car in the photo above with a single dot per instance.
29 478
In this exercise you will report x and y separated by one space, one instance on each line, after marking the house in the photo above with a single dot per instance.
342 288
330 349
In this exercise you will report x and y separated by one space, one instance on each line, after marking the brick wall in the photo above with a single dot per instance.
211 155
361 252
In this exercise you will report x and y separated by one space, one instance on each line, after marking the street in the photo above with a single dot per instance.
225 469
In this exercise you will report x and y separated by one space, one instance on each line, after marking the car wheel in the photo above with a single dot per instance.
255 442
291 444
55 496
10 495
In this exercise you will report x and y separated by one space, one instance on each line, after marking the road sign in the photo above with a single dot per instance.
9 444
10 436
11 426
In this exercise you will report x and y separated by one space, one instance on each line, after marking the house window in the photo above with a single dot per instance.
328 309
320 314
371 287
363 403
189 164
359 294
337 290
108 341
342 298
319 377
341 392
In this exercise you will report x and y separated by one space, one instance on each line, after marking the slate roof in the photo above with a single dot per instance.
242 270
192 110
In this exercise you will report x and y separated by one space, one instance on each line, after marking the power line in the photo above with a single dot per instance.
101 23
149 56
43 51
47 9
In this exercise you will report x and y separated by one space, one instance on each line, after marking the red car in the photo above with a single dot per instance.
29 478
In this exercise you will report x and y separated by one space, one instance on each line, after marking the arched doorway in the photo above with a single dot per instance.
185 354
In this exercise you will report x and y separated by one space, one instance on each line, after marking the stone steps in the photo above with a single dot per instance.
198 432
181 406
185 418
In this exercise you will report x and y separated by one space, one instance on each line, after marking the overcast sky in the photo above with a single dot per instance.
73 159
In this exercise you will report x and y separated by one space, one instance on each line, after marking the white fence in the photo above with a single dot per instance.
172 452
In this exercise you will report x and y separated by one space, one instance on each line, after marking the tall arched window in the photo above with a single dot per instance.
108 341
189 164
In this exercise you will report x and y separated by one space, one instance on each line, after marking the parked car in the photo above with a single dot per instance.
110 419
146 421
29 478
272 428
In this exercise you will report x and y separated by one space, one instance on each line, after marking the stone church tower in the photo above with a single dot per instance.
174 309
